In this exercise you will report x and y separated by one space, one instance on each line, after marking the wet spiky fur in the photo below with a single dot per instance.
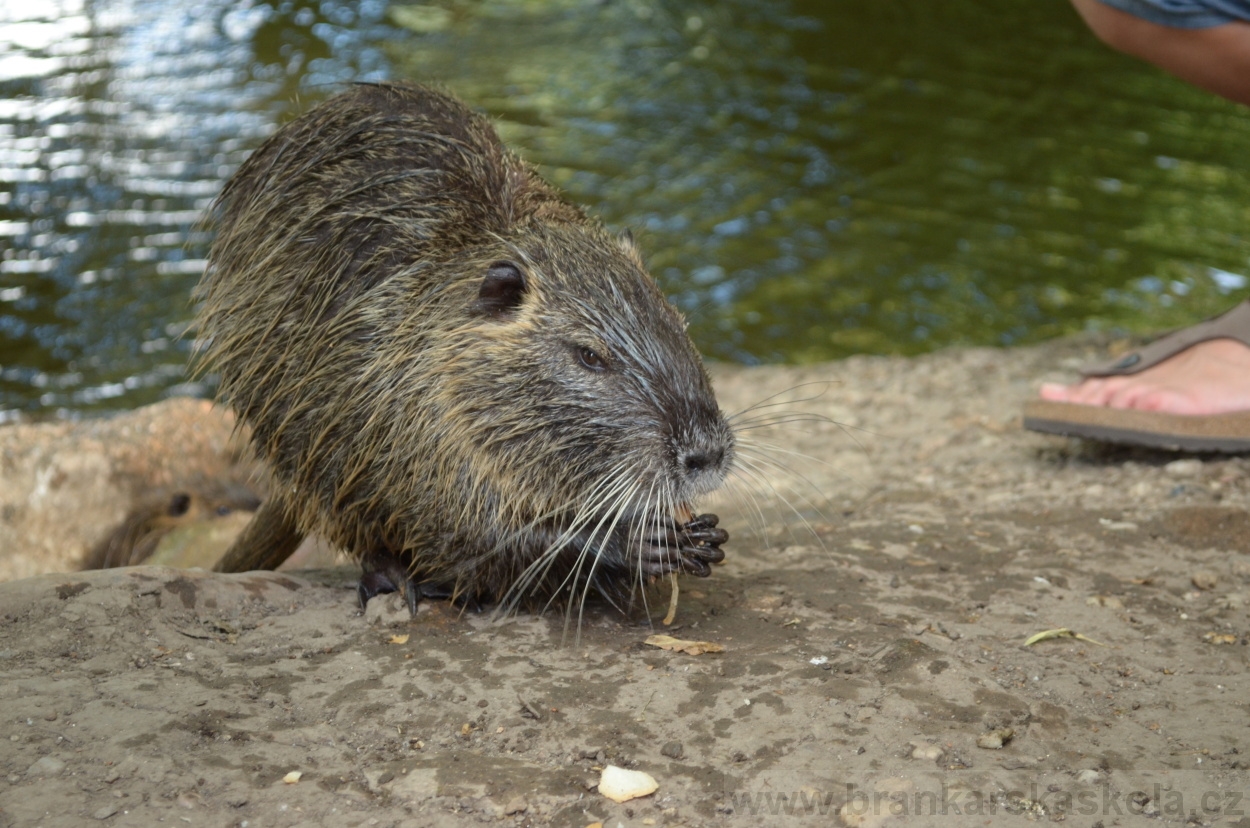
495 435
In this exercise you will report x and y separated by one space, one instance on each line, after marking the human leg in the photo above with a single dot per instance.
1215 58
1211 377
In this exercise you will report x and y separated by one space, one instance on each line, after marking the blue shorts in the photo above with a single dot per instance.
1186 14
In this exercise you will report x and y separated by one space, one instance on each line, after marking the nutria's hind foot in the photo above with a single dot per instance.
383 572
446 592
690 547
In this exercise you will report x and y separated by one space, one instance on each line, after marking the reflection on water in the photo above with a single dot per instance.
118 122
810 179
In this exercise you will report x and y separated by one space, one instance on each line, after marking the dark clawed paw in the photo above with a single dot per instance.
659 558
381 573
445 592
700 545
705 554
702 530
690 548
699 522
661 552
373 584
695 567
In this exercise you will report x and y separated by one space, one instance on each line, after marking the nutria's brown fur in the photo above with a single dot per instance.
135 539
450 372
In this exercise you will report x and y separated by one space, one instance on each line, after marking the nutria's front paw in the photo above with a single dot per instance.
700 545
689 548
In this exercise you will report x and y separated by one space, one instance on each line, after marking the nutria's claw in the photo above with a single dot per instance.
706 520
700 542
446 592
376 583
695 560
695 567
381 573
702 530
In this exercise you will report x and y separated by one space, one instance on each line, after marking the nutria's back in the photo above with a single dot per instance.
450 371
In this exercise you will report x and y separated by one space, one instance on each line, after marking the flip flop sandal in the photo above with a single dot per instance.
1228 433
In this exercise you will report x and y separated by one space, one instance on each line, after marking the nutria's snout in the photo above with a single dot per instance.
703 457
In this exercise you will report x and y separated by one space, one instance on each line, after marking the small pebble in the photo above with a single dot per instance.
292 777
105 812
1184 468
995 739
188 800
926 751
516 805
673 750
1204 579
47 766
1219 638
1088 776
620 785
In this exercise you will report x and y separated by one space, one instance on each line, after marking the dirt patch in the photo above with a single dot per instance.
873 608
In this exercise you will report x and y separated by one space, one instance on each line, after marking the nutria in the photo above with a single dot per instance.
135 539
451 373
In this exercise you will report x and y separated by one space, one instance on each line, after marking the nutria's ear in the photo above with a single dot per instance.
501 292
178 504
628 246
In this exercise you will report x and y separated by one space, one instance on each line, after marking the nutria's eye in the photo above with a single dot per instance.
591 360
222 511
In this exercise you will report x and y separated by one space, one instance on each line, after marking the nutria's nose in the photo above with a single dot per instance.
696 461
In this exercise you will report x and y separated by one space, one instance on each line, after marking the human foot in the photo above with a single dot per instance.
1211 377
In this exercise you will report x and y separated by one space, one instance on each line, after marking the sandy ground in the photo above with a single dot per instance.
873 611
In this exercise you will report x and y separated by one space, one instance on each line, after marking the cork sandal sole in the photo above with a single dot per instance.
1226 433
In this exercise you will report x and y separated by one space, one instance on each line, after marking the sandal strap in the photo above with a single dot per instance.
1233 324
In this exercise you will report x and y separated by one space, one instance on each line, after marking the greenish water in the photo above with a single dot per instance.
809 179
